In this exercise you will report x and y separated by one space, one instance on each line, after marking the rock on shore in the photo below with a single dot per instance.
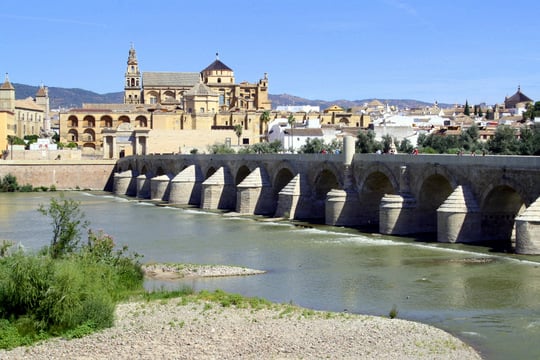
175 329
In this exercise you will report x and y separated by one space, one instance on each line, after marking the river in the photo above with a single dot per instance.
490 300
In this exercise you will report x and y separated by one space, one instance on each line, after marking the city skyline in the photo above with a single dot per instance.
386 49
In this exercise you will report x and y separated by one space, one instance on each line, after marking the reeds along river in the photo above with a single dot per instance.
489 300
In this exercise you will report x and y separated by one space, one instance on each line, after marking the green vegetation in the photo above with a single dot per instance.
274 147
9 184
504 142
238 131
393 312
220 149
316 146
533 111
67 289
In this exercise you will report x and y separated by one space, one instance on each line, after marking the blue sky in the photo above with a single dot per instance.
446 51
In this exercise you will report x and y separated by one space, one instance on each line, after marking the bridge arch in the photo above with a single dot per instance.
361 177
209 172
281 179
374 186
433 191
499 206
160 171
325 180
242 172
144 170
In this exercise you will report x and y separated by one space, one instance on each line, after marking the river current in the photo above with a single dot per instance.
490 300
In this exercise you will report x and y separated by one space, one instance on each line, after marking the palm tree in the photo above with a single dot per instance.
265 118
238 132
291 121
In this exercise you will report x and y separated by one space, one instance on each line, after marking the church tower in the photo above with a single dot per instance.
42 99
132 89
7 96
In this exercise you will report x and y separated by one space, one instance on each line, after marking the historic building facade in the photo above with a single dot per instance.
25 116
170 112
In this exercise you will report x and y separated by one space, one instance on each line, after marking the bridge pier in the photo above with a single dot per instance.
143 187
124 183
254 194
528 230
291 201
459 218
185 188
219 191
397 214
159 187
341 208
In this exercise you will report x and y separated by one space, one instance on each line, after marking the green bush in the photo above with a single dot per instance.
9 184
71 291
27 188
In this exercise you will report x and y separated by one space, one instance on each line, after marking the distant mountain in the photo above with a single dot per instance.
74 98
68 98
286 99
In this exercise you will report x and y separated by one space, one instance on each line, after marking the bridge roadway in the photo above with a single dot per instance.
461 198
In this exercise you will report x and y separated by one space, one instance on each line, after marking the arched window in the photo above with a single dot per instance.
219 80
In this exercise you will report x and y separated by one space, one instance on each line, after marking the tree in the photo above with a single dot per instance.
291 120
387 142
265 118
365 142
504 141
67 220
238 131
312 146
405 146
467 110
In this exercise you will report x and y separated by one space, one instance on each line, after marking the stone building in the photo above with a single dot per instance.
170 112
518 100
28 116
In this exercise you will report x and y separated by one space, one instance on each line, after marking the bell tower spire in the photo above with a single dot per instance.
132 88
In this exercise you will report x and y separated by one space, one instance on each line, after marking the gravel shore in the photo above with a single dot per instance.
182 329
173 329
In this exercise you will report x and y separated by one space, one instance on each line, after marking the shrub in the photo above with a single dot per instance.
9 183
67 220
27 188
66 288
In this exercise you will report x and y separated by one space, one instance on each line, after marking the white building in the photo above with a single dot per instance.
406 127
294 138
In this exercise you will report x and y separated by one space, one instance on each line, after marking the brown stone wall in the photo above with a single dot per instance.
63 174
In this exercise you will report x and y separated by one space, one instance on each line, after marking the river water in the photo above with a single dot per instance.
490 300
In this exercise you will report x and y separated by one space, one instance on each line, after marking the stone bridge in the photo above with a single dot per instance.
461 198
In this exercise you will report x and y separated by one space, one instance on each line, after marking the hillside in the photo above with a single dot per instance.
286 99
74 98
68 98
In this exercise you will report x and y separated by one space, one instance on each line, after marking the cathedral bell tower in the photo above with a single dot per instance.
132 89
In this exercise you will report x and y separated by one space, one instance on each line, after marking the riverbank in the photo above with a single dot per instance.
180 329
